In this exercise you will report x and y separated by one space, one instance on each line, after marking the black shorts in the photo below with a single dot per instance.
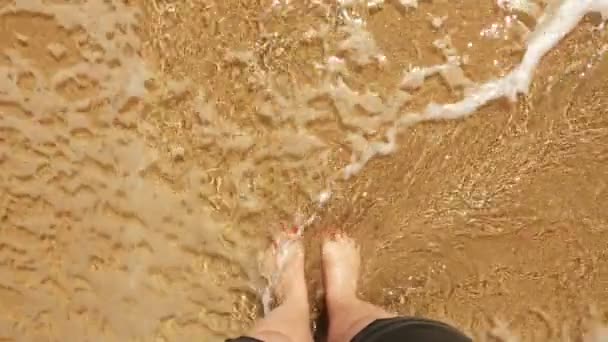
400 329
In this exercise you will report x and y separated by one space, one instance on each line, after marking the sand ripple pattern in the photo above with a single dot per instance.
88 227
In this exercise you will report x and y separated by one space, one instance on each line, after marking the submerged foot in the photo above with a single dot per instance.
282 266
289 321
348 314
341 262
291 281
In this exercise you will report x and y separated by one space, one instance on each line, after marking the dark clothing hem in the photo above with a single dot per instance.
400 329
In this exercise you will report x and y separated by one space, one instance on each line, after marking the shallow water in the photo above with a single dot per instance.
150 151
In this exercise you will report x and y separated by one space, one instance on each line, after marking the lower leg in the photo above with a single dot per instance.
348 314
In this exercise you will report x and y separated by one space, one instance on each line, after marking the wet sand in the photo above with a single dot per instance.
150 151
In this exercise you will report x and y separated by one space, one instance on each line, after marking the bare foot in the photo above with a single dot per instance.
291 283
341 263
288 322
348 314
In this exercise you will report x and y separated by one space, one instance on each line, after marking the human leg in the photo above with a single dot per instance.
348 314
352 319
289 322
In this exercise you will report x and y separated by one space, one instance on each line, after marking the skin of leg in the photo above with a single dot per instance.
348 314
289 322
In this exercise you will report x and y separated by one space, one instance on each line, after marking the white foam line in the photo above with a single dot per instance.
552 28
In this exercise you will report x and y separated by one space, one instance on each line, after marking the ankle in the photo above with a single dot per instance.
296 302
340 302
341 293
348 316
